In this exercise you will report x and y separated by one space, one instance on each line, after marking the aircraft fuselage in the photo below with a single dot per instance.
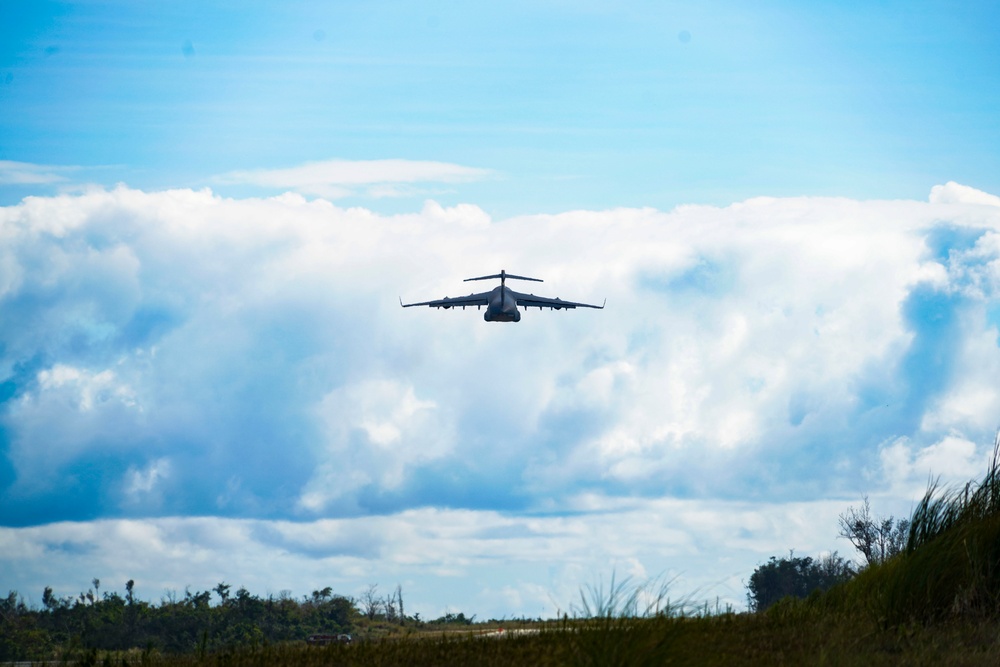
502 306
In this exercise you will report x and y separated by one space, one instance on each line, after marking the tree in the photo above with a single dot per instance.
318 597
457 619
399 601
370 602
392 606
223 591
339 611
48 599
389 608
876 538
795 577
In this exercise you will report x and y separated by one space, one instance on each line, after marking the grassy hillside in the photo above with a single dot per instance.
801 633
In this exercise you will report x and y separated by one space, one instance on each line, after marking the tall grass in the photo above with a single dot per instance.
623 598
942 511
951 564
626 623
788 638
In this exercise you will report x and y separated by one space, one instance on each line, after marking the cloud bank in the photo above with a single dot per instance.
175 359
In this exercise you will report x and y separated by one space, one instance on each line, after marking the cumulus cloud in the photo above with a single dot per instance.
771 334
956 193
180 354
335 179
951 461
375 432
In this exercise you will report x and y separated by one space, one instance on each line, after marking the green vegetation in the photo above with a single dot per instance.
110 622
795 577
791 633
934 600
951 565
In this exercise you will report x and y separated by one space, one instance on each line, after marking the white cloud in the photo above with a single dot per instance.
726 328
973 402
375 432
86 389
181 353
143 482
335 179
953 460
68 409
956 193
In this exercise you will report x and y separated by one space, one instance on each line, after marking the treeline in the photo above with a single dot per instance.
109 621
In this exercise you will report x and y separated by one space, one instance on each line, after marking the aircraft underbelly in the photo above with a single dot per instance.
502 309
502 317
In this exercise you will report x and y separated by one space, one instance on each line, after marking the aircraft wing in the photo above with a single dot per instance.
481 299
532 301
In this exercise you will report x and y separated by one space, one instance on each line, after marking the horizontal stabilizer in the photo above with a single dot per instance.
503 275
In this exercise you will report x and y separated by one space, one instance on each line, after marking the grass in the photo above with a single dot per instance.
796 633
951 566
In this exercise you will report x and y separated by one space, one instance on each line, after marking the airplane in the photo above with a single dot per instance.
502 302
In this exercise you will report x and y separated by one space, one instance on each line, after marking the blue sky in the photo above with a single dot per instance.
568 104
208 214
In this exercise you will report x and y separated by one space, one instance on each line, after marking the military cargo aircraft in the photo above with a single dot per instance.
501 302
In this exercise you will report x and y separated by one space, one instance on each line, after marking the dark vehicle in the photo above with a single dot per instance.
324 640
